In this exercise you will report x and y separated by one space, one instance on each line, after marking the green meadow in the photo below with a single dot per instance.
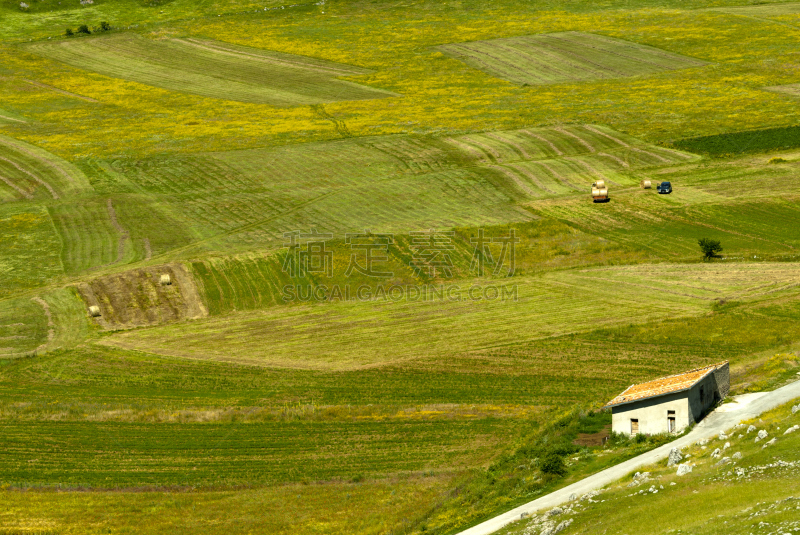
335 267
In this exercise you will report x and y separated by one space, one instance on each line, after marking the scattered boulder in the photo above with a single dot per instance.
684 469
751 429
761 435
702 442
675 457
723 436
723 461
555 511
726 446
795 409
771 442
792 429
740 472
737 455
715 453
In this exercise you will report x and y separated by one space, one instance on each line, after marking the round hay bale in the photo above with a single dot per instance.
646 184
600 184
165 279
94 311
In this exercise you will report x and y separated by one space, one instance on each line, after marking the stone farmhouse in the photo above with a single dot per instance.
669 404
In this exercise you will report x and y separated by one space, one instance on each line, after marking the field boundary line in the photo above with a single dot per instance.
34 177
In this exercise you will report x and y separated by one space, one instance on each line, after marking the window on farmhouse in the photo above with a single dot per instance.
634 427
671 421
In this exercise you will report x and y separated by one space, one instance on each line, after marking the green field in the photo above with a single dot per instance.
214 176
555 58
213 69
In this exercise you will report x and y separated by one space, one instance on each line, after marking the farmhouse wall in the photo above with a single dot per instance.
652 414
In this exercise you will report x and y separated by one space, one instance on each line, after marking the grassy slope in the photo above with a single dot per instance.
710 499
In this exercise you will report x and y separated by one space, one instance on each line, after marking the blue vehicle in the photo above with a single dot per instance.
664 187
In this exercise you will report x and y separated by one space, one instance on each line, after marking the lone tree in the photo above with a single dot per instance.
709 247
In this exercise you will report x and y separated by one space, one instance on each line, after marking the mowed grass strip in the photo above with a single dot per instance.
364 508
212 69
342 335
126 455
563 57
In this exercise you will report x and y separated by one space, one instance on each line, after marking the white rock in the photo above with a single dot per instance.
726 446
795 409
555 511
792 429
702 442
573 497
672 484
715 453
723 436
761 435
684 469
771 442
737 455
675 457
740 472
751 429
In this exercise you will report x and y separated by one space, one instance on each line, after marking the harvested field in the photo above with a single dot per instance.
565 57
252 197
213 69
347 335
136 298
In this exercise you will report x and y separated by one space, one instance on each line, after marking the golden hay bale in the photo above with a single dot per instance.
94 311
600 184
646 184
165 280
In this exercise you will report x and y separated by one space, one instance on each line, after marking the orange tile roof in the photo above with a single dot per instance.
664 385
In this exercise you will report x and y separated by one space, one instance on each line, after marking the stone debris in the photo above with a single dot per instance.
723 436
751 429
716 453
589 496
573 497
740 472
792 429
555 511
761 435
672 484
675 457
726 446
557 529
723 461
795 409
702 442
737 455
770 443
684 469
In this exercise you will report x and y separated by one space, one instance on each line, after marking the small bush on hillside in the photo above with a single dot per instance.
776 160
84 29
104 26
69 32
553 463
709 247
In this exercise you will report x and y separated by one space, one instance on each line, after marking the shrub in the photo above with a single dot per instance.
553 463
709 247
69 32
84 29
775 160
104 26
